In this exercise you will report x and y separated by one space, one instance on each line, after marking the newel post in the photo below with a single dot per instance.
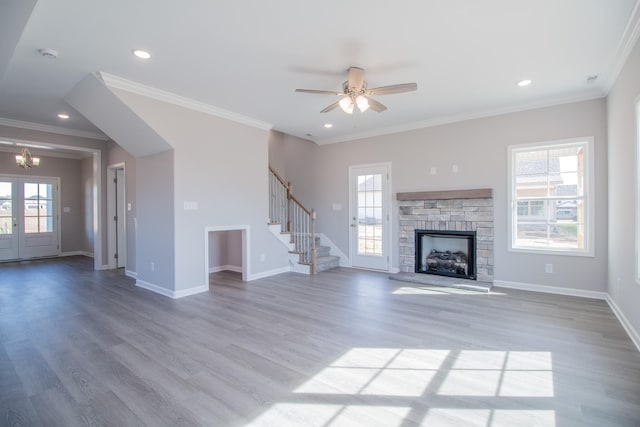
289 208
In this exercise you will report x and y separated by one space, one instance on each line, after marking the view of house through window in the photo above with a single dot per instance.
549 197
38 208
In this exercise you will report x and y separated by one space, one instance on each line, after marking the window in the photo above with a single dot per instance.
551 204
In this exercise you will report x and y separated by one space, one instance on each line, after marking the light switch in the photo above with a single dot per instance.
190 206
337 206
129 207
66 209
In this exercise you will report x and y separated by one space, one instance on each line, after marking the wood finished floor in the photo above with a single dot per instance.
345 347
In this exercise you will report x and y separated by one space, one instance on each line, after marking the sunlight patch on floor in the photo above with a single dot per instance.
390 386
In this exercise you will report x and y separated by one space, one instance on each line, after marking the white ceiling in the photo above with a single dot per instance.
248 56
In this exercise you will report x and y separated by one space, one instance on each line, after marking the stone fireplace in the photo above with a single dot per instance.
457 213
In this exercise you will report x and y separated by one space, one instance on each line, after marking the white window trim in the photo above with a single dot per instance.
637 257
590 199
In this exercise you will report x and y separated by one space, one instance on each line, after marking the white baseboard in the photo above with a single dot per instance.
190 291
325 241
268 273
394 270
551 289
154 288
76 253
633 334
103 267
225 268
169 293
131 274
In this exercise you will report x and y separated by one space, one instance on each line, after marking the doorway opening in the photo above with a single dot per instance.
116 216
226 249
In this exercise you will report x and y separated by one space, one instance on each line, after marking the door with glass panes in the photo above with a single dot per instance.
28 217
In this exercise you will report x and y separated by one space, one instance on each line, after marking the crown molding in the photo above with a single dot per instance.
52 129
116 82
629 38
438 121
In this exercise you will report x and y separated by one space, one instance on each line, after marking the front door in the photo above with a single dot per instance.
8 218
28 218
369 215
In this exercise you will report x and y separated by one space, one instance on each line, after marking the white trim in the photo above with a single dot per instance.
589 198
219 268
52 129
76 253
558 290
439 121
154 288
628 327
131 274
100 267
637 245
190 291
116 82
630 36
169 293
269 273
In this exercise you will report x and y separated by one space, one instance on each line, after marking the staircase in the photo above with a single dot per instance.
294 225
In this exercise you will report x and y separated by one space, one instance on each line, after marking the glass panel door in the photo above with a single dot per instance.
8 219
39 235
369 216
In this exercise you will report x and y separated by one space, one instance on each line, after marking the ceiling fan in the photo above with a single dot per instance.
355 93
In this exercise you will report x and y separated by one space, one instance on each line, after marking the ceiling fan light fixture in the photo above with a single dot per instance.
346 104
363 103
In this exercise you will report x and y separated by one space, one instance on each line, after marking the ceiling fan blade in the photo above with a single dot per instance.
356 77
386 90
331 107
320 92
375 105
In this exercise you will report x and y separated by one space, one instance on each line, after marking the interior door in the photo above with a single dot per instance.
369 214
120 218
8 218
38 225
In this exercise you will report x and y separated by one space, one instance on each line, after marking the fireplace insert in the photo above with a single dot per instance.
446 253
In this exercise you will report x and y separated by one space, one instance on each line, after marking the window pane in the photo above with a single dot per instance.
31 224
6 225
548 187
565 235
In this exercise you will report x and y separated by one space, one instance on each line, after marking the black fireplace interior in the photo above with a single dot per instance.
446 253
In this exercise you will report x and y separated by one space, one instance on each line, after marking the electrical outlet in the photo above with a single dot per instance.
153 266
433 170
263 257
454 168
548 268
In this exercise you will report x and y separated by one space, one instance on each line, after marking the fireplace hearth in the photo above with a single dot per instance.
446 253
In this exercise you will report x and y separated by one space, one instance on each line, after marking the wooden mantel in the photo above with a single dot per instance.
477 193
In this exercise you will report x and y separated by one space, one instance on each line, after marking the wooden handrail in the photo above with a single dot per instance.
296 201
277 175
300 222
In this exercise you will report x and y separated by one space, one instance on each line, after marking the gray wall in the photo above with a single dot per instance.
69 172
222 166
225 249
115 155
623 173
155 242
479 148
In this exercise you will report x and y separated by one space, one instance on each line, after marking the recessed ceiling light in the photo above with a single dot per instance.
63 116
48 53
142 54
328 125
523 83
